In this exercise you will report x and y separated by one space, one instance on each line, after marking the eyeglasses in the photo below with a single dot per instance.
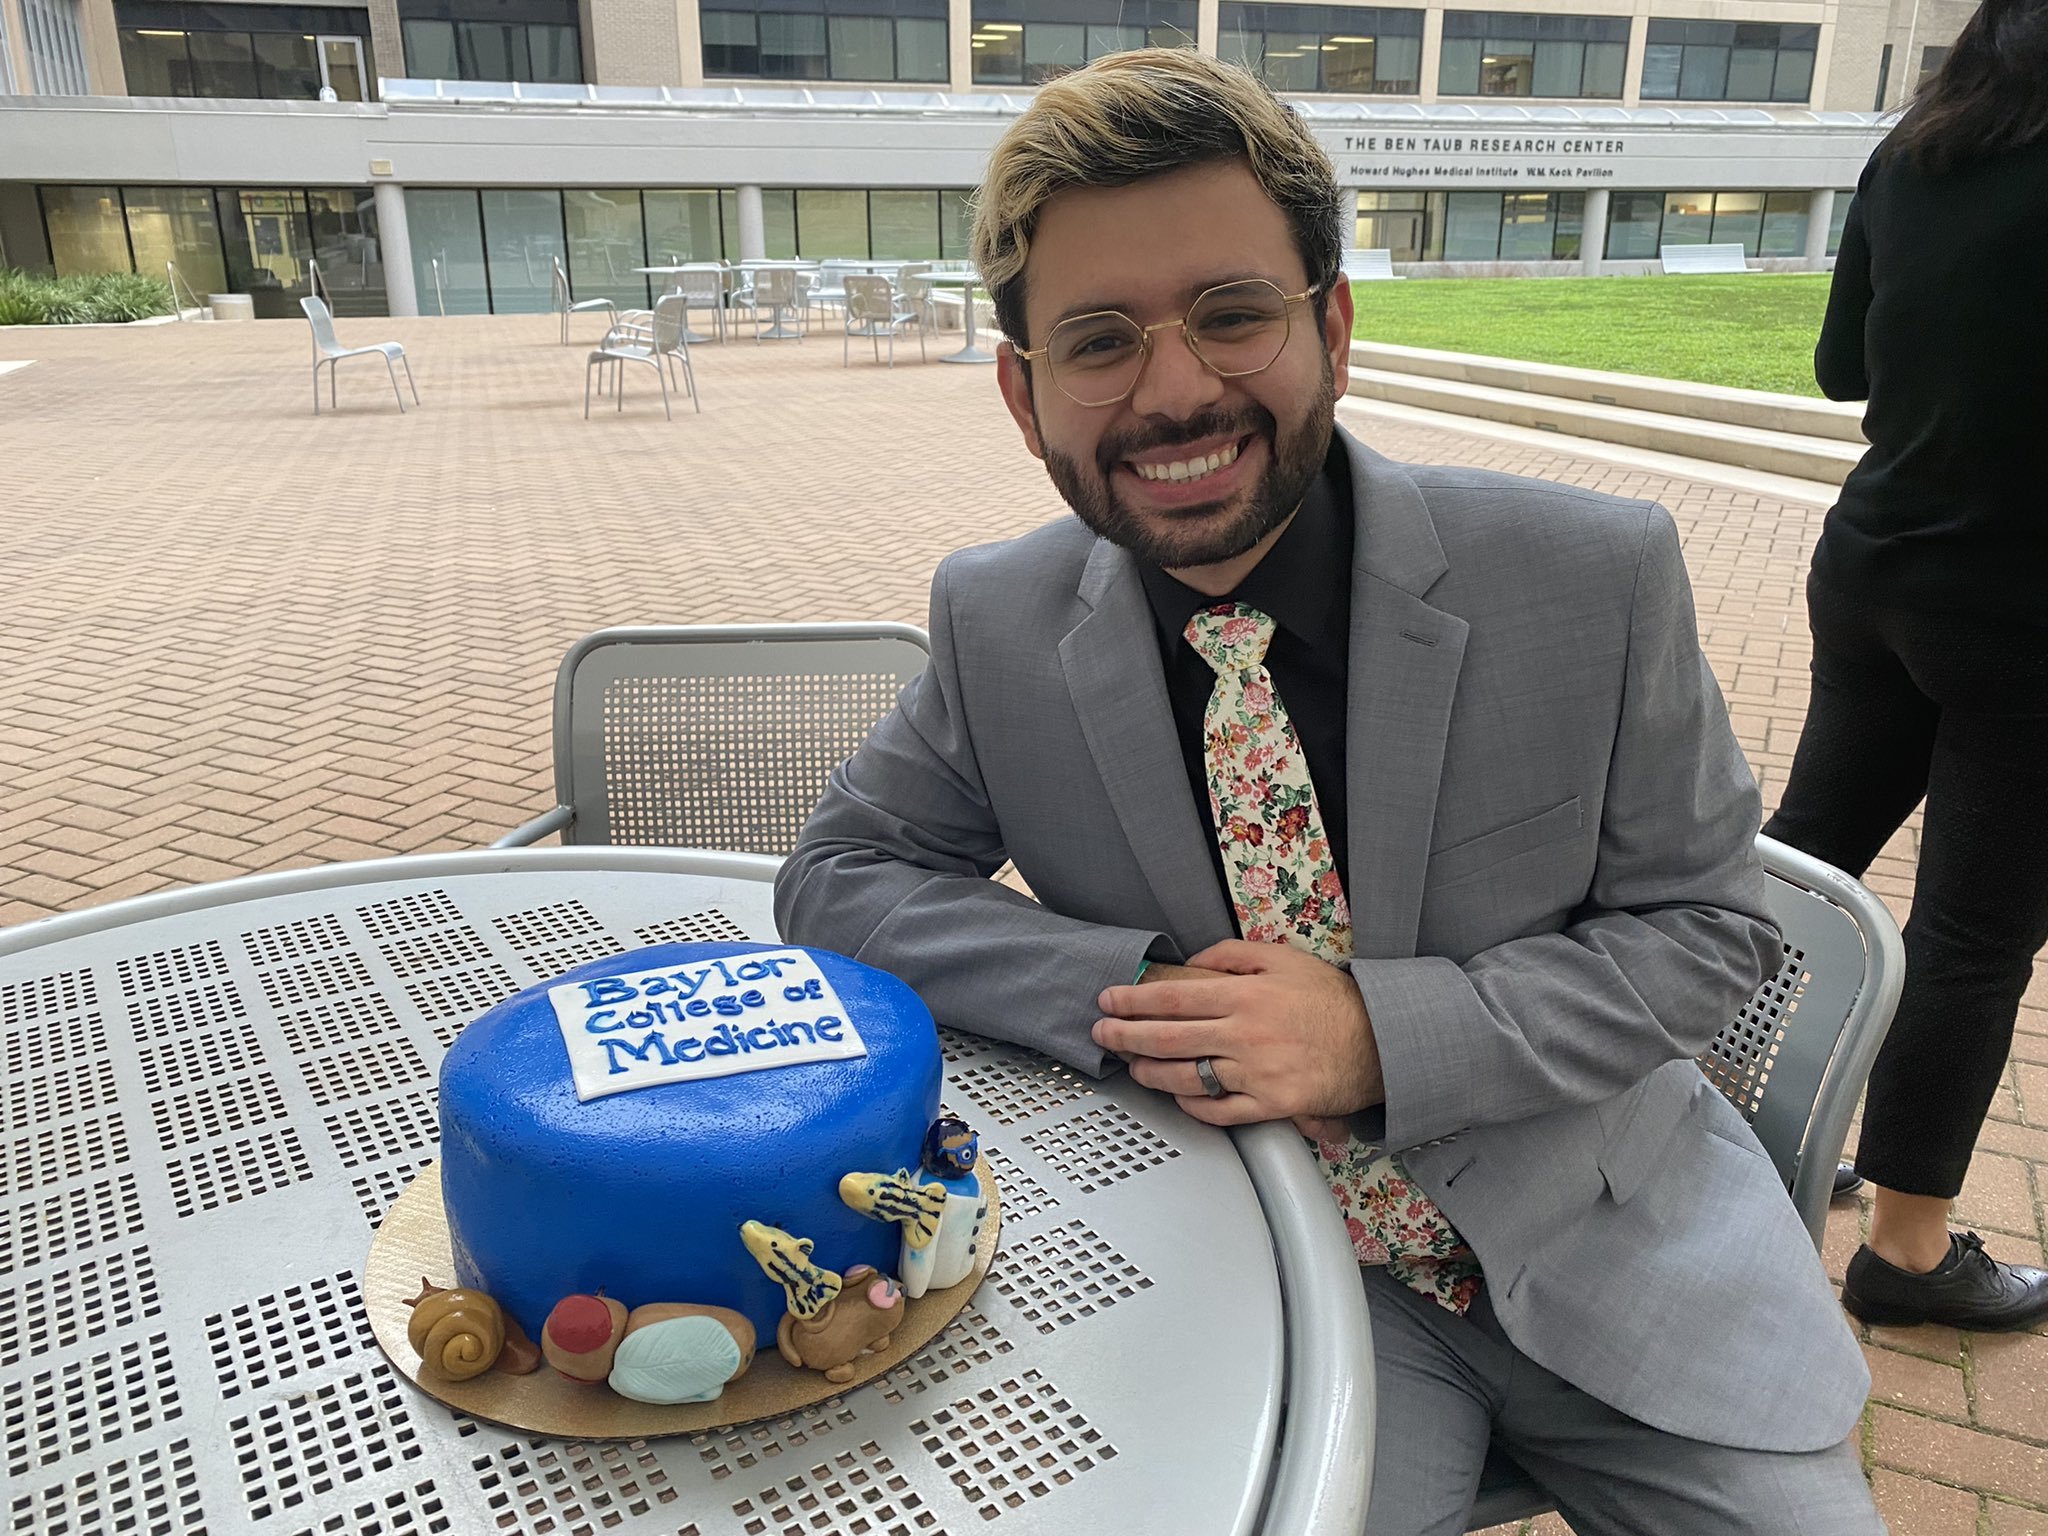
1235 329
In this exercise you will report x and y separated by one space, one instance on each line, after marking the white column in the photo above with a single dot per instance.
960 44
1432 51
1593 232
394 246
1820 213
1208 26
753 235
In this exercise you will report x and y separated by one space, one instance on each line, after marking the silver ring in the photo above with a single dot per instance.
1207 1073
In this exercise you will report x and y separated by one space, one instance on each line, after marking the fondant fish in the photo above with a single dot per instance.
787 1261
897 1197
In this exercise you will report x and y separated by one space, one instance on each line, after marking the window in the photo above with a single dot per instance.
1392 222
1633 219
1340 48
258 241
826 40
522 40
271 52
1762 223
1491 54
1728 61
1477 226
1027 42
1931 60
1884 76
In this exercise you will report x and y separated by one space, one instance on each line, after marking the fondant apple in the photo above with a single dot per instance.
582 1334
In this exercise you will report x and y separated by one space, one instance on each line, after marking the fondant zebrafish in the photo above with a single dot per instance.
787 1261
897 1197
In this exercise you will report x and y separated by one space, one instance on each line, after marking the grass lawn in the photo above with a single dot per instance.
1748 332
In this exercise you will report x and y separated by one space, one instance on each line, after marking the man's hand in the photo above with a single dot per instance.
1286 1034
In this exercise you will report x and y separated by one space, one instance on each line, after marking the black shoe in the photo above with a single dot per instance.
1968 1289
1847 1180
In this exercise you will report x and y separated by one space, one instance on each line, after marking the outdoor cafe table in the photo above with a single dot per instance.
966 282
213 1095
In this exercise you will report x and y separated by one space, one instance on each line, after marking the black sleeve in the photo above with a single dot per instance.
1838 357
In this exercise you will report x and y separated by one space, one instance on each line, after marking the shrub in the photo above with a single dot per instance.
100 297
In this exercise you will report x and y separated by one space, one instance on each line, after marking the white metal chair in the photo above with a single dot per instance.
660 342
874 310
828 289
1793 1061
705 289
565 307
775 290
328 352
715 736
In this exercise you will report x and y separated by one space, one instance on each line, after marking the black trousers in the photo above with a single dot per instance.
1953 708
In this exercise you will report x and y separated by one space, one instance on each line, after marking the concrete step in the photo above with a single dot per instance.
1799 454
1760 409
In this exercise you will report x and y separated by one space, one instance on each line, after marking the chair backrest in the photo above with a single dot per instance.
775 286
559 280
718 736
671 327
869 301
1794 1058
701 285
1702 258
322 320
1368 266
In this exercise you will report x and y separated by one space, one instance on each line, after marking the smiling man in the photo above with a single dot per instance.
1397 802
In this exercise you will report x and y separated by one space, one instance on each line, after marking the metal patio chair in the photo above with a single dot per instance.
565 307
776 290
875 310
715 736
328 352
1793 1061
661 341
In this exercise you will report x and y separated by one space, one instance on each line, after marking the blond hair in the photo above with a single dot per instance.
1137 114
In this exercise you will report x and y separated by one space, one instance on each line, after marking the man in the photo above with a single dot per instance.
1397 802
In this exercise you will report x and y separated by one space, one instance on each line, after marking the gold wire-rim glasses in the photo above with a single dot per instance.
1145 334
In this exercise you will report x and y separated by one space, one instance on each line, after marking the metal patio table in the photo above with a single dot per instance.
966 282
214 1094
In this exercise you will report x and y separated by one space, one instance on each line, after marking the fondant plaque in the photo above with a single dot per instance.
710 1018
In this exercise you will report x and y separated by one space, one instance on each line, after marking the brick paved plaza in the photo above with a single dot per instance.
240 638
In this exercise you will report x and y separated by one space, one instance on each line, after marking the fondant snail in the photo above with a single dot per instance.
941 1208
460 1333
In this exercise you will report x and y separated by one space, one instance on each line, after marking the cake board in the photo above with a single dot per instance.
414 1241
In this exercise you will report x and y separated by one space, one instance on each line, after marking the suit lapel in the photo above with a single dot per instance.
1111 660
1405 659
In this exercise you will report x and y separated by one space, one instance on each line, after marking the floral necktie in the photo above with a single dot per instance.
1284 884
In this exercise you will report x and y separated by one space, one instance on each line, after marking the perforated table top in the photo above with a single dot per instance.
212 1098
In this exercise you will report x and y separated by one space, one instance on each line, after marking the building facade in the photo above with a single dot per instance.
443 154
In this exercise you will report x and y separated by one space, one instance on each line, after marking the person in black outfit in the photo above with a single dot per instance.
1928 600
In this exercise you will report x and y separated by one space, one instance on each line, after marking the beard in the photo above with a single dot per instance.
1207 533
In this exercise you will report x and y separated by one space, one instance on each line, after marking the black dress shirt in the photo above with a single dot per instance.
1304 583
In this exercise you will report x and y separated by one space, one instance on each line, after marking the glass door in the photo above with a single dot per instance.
341 68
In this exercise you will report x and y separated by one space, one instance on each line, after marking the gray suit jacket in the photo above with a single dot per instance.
1554 891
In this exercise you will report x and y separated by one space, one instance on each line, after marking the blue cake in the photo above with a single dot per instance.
614 1129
